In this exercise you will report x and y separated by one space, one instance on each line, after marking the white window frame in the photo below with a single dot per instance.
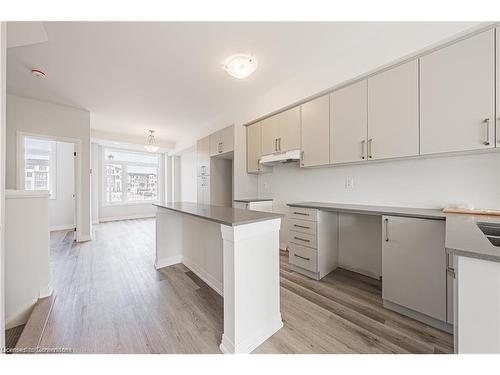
125 201
52 163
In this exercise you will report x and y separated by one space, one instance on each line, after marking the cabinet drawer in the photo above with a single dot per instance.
302 226
302 213
303 257
303 239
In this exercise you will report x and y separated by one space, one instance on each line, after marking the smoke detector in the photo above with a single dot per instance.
38 73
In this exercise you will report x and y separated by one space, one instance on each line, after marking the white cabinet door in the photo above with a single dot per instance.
457 96
270 134
227 139
203 156
414 264
289 136
393 112
203 189
315 132
497 125
222 141
348 123
253 147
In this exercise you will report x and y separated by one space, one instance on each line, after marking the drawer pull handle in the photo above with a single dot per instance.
298 256
486 142
301 213
302 239
301 226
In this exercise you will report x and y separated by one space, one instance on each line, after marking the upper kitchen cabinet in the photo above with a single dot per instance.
254 147
270 134
498 89
315 116
281 132
393 112
457 96
289 125
348 124
203 157
222 141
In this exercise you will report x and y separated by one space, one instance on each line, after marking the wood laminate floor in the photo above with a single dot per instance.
110 299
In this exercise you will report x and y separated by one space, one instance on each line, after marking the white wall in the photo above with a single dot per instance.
27 247
360 57
188 176
95 180
53 120
62 208
432 182
3 53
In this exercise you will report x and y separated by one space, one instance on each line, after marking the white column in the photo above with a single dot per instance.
168 238
251 285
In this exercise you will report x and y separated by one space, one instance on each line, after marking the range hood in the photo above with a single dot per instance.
284 157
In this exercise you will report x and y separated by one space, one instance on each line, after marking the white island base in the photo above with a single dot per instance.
240 262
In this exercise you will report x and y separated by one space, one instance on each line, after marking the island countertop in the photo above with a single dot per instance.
219 214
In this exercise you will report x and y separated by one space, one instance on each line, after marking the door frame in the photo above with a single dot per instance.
20 135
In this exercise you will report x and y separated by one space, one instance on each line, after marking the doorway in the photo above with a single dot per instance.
49 164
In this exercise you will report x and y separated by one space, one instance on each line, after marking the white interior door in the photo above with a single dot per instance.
457 96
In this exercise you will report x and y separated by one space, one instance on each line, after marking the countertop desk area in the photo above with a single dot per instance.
236 252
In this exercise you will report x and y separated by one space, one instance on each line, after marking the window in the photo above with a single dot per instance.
40 165
130 176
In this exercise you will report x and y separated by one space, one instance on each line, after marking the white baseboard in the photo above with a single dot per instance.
83 238
251 343
45 291
211 281
95 222
165 262
61 227
128 217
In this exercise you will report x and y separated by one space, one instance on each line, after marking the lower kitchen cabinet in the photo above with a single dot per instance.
414 265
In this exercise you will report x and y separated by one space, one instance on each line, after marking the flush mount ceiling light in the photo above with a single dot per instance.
38 73
150 145
240 65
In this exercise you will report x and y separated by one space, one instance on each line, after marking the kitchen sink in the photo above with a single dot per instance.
492 232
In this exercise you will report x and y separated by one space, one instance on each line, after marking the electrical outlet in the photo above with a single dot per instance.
349 183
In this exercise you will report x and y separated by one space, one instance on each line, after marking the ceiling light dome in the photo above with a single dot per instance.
151 146
240 65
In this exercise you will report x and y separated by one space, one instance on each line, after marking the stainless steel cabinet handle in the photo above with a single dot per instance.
301 226
279 144
363 148
302 158
276 144
386 221
220 147
301 257
301 239
486 142
301 213
369 148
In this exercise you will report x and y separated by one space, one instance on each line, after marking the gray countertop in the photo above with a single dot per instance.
248 200
220 214
425 213
463 237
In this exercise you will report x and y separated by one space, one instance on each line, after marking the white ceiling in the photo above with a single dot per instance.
134 76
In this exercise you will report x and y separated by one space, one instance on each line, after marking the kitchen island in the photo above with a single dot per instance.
236 252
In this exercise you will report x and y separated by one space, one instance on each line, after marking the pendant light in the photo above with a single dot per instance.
151 146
